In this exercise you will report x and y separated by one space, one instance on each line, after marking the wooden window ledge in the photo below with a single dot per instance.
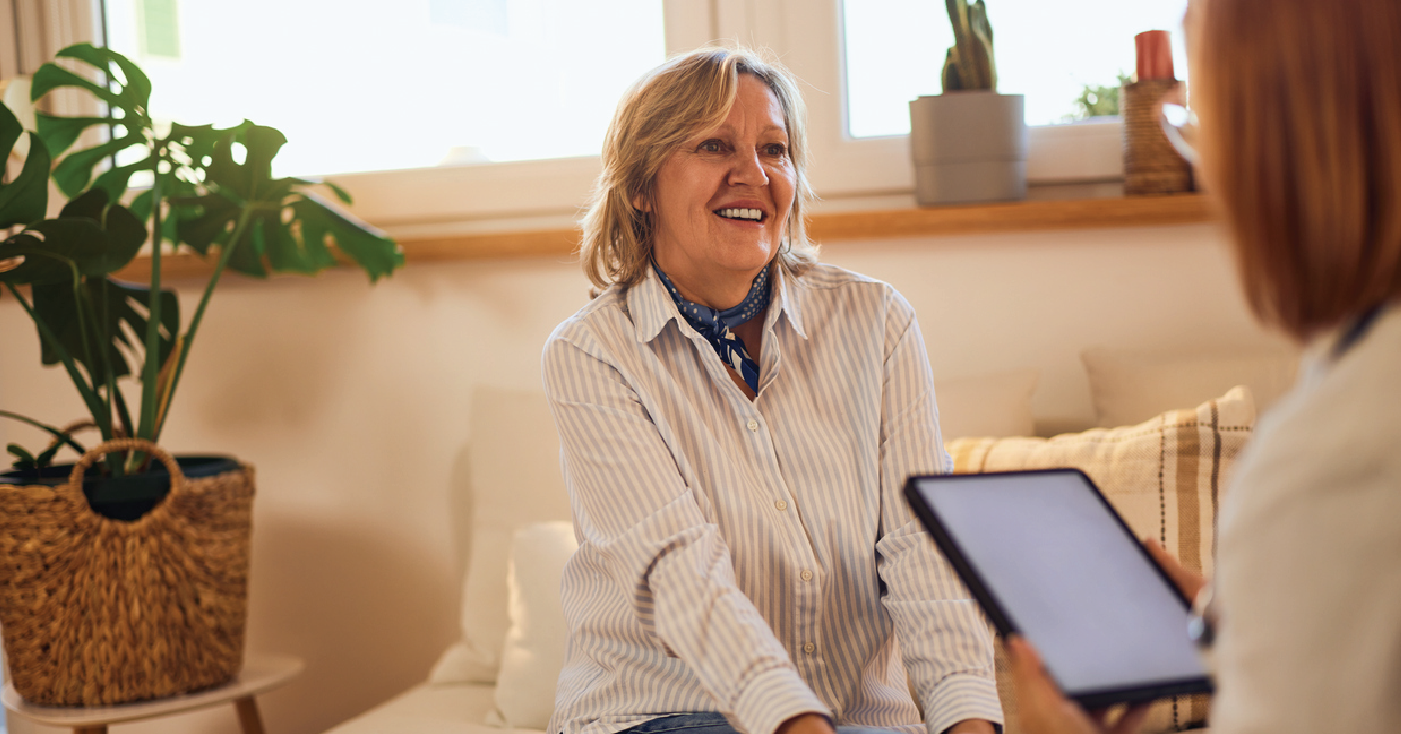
824 227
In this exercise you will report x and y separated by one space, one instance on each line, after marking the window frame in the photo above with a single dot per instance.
805 34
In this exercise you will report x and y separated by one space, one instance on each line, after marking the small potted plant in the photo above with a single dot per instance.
968 144
125 574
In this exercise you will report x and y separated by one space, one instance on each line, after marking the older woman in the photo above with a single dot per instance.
736 423
1300 106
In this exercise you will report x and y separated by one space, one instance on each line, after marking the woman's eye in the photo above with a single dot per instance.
776 149
711 146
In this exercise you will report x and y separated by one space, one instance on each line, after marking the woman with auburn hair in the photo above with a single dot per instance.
736 422
1300 145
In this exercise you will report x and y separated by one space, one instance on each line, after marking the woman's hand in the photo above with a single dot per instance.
806 724
1190 582
1045 710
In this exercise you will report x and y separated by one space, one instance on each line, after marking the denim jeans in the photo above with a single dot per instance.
713 722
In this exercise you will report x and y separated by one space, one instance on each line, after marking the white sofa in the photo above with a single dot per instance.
1169 432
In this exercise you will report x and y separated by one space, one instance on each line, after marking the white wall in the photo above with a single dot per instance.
352 402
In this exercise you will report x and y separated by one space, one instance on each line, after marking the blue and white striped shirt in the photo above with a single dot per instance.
756 558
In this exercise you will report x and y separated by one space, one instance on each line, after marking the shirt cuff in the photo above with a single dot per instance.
960 697
773 697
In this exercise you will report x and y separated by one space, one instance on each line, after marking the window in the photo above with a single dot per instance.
1047 54
365 85
443 195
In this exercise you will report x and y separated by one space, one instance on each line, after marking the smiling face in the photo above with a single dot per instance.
721 201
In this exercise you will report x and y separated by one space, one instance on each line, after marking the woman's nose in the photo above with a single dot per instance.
748 170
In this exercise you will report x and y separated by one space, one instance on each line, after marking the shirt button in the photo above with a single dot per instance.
752 425
805 575
781 505
808 648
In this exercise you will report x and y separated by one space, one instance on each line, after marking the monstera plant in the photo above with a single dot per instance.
202 189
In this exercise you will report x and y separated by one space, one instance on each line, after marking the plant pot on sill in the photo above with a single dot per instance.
968 146
98 611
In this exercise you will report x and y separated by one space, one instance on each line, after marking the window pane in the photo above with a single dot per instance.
895 52
360 85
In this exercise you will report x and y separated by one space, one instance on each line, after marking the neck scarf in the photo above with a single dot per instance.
715 325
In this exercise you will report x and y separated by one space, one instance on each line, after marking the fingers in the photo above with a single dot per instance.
1023 657
1045 710
1132 719
1189 582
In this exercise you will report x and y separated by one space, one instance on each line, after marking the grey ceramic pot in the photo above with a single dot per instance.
968 147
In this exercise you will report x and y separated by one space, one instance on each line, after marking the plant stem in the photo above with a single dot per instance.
151 368
225 253
86 315
55 432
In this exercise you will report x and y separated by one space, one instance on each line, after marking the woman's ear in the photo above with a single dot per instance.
640 203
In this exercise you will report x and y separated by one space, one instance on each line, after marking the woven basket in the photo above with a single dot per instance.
1151 164
97 611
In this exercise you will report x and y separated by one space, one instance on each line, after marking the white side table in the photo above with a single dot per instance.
259 675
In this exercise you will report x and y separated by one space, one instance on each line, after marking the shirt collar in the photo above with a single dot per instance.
651 305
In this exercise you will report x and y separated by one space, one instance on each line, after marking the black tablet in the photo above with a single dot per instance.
1048 558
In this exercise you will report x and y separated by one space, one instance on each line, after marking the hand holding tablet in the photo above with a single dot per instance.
1048 558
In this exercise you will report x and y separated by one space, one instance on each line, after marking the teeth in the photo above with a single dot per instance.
753 214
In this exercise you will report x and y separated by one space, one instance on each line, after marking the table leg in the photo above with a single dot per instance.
248 718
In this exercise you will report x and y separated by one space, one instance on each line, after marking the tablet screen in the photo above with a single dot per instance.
1047 557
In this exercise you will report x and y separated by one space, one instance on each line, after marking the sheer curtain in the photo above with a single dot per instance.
31 32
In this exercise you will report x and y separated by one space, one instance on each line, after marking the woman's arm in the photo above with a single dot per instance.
945 641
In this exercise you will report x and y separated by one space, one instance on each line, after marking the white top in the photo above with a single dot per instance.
1309 563
756 558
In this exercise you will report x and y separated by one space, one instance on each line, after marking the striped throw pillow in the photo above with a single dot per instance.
1165 476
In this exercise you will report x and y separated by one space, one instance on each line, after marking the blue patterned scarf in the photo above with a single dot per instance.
715 325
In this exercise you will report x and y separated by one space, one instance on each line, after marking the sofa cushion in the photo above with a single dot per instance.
534 648
1130 386
1165 476
515 480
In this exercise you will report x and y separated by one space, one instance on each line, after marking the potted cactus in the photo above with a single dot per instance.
126 572
969 143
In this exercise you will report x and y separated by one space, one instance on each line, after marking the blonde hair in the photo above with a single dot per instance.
661 111
1300 104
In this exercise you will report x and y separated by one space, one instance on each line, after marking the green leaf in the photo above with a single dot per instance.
124 233
137 88
10 129
209 224
53 250
336 189
114 180
247 257
23 459
26 198
127 93
59 133
73 173
113 304
51 76
375 253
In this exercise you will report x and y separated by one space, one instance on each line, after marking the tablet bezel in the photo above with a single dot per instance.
1002 621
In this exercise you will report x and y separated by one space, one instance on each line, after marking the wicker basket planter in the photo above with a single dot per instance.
97 611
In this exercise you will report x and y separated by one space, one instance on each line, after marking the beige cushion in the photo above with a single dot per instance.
986 405
534 648
1165 476
1129 387
513 453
